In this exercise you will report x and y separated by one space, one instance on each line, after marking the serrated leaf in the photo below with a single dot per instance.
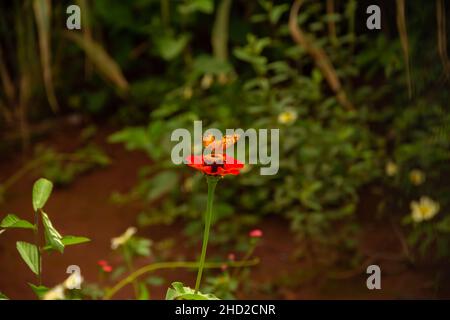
13 221
41 192
51 234
29 254
180 292
70 241
73 240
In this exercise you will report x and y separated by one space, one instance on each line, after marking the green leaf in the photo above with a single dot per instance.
140 246
180 292
192 6
41 192
155 281
29 254
134 138
70 241
143 292
208 64
169 47
277 11
3 297
13 221
161 184
39 291
52 236
120 270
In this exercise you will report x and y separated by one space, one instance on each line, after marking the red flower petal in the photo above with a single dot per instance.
228 165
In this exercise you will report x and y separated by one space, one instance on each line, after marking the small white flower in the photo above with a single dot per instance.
417 177
122 239
207 81
424 209
57 293
287 117
391 168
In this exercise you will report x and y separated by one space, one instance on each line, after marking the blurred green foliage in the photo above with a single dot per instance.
169 63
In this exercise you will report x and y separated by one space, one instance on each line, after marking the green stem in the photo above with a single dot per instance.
174 265
129 263
36 241
246 257
212 182
165 13
220 31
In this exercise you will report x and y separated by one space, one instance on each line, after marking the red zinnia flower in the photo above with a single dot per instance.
256 233
215 165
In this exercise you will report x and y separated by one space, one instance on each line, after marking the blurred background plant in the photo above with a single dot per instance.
363 114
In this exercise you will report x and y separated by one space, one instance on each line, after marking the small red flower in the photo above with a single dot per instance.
231 256
215 165
107 268
256 233
102 263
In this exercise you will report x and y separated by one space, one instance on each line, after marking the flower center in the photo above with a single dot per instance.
215 161
425 211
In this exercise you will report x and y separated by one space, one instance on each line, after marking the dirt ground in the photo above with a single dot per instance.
84 208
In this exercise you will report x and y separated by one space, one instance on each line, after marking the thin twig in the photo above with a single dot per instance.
331 23
319 56
442 36
174 265
402 30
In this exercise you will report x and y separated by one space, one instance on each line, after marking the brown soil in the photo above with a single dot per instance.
84 208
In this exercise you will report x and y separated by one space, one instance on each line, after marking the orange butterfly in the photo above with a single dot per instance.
219 146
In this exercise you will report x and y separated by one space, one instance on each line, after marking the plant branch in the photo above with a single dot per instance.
319 56
174 265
